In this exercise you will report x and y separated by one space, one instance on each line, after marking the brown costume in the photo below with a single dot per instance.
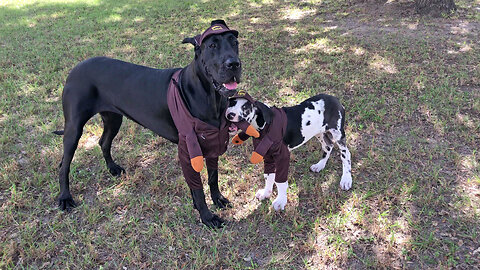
270 146
197 139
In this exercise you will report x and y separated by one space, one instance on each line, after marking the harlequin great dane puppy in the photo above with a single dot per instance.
173 103
287 128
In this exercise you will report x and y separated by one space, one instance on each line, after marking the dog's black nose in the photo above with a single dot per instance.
232 63
230 116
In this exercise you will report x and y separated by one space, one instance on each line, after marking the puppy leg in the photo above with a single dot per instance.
346 181
281 200
266 192
327 147
282 163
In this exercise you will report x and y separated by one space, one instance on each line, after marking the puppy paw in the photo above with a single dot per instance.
318 166
279 203
346 182
263 194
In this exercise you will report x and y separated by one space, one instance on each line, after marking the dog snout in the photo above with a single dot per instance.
230 116
232 63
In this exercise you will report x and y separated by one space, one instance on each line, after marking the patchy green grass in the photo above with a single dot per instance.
410 85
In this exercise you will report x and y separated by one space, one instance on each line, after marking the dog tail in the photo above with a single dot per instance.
58 132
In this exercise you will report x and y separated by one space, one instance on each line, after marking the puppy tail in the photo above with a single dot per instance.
58 132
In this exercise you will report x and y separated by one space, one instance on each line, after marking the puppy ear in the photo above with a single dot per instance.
218 22
265 112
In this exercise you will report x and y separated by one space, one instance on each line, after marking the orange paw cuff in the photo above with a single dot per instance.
236 140
256 158
251 131
197 163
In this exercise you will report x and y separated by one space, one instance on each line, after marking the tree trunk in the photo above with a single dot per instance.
435 7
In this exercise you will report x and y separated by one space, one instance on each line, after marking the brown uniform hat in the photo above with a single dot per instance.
217 27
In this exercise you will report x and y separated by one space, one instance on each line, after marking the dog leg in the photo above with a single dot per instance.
218 199
281 200
111 125
266 192
346 181
71 136
327 147
208 218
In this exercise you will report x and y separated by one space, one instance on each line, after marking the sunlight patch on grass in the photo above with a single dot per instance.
468 180
291 30
294 13
466 120
113 18
321 44
260 3
24 3
245 210
3 117
139 19
382 64
358 51
462 48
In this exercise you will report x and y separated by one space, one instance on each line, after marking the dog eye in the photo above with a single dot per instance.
213 45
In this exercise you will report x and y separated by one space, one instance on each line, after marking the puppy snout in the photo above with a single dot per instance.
230 116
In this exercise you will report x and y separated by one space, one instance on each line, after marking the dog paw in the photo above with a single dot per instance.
346 182
263 194
115 170
66 203
279 203
221 202
211 220
318 167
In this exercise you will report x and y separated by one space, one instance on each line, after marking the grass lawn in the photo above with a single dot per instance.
410 86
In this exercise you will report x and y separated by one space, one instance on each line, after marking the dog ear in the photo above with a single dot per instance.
190 40
194 42
218 22
265 113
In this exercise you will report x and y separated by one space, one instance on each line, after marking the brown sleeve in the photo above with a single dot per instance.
193 146
263 146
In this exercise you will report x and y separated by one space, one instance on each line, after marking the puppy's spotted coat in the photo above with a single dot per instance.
321 116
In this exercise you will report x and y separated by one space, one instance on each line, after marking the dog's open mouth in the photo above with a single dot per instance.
232 129
227 89
232 85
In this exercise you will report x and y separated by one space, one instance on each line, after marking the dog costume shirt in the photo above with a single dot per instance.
270 146
196 139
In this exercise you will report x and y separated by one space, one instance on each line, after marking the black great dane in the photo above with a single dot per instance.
115 89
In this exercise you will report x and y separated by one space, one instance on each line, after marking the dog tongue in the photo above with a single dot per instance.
230 86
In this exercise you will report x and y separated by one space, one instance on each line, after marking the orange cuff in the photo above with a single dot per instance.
256 158
197 163
236 140
251 131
